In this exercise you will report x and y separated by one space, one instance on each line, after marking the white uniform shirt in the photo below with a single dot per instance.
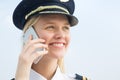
57 76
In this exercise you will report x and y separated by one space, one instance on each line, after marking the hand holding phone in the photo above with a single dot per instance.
31 31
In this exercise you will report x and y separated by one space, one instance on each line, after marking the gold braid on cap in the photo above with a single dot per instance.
46 7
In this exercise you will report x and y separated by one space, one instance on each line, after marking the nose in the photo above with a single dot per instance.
59 34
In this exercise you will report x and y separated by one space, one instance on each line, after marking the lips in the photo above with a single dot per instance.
57 44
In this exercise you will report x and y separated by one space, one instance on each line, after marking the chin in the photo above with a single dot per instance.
58 55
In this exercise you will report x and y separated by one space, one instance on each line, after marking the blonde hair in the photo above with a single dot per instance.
31 22
61 65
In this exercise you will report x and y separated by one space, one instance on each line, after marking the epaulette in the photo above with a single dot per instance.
13 79
79 77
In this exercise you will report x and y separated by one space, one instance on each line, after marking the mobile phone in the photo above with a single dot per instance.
31 31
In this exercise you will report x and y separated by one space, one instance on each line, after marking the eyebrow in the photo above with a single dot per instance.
52 22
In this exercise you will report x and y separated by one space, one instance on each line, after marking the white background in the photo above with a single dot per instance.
95 46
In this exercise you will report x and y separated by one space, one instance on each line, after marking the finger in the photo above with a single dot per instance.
31 55
32 42
35 47
38 40
30 37
33 52
38 54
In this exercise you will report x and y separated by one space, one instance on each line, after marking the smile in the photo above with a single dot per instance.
57 44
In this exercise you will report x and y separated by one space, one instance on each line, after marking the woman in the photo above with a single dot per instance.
51 21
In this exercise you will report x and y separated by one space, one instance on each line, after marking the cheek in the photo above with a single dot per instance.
46 36
68 38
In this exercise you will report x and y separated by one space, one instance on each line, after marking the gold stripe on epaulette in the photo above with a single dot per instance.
46 7
84 78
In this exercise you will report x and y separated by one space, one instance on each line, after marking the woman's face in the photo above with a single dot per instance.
55 30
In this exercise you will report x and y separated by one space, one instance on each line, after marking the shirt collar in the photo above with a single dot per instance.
36 76
58 75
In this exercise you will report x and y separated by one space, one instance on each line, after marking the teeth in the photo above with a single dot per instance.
59 45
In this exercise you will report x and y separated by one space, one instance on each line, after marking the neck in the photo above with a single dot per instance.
46 67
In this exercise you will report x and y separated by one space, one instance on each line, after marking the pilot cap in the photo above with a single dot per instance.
28 8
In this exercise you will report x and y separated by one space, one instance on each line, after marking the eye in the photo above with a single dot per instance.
50 27
67 28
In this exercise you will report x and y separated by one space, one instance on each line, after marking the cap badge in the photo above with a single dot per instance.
64 0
